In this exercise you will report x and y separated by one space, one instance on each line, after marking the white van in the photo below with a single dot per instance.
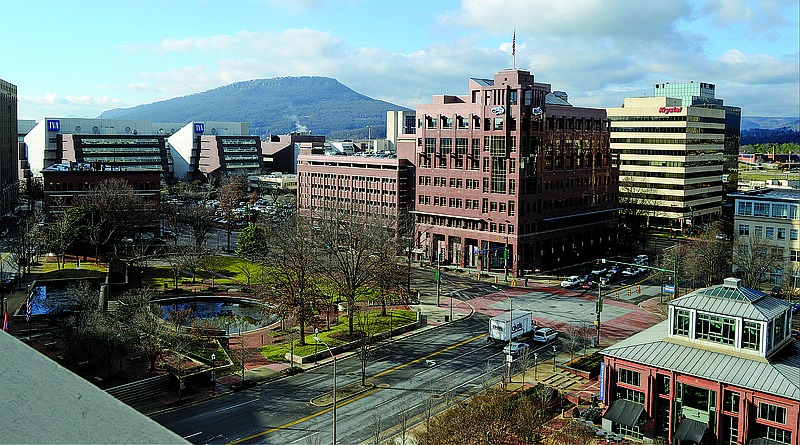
545 335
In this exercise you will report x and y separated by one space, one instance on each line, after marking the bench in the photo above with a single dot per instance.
51 345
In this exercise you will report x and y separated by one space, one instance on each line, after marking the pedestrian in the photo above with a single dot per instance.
526 281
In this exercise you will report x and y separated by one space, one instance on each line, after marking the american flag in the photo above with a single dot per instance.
28 309
5 323
514 44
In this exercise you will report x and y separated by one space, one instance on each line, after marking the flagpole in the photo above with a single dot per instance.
514 49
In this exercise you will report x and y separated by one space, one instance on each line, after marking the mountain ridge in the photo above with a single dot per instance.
276 105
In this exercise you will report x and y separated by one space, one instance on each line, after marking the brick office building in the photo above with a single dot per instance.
511 177
64 184
360 185
723 369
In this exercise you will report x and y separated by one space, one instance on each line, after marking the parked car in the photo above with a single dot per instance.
545 335
515 348
601 271
641 259
169 234
571 281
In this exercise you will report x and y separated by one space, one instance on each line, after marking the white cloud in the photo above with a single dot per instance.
645 20
755 16
55 104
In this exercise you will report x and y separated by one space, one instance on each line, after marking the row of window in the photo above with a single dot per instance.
662 141
766 209
667 130
769 233
668 118
672 163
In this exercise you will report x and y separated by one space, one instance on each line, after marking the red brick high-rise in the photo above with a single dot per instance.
511 177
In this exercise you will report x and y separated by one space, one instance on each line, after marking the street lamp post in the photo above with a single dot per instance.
391 321
213 376
536 366
334 386
554 358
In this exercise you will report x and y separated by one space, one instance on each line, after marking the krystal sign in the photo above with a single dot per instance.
668 110
497 111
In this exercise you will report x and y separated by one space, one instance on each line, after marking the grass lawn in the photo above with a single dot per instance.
89 269
333 336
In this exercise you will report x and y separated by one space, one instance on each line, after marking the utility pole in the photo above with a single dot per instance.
438 275
599 309
505 258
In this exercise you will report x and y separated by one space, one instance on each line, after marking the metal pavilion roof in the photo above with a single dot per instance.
731 299
779 376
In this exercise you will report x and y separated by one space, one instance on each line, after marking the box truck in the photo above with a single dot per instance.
502 325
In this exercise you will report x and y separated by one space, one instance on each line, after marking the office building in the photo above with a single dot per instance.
722 369
511 177
178 151
702 94
769 218
65 184
281 151
9 180
358 185
671 158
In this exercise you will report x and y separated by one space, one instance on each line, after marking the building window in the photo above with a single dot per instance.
770 233
776 434
715 328
682 320
780 210
730 430
512 97
630 395
760 209
751 335
663 384
772 413
629 377
776 277
793 234
744 229
498 123
794 256
759 231
745 208
781 233
730 402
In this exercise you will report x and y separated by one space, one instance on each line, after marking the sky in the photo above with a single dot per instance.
80 58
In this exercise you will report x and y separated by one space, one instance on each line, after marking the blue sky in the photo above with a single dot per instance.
83 57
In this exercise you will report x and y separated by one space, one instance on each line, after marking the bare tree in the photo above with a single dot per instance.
229 196
377 424
637 203
293 269
24 242
710 259
352 244
753 260
366 323
60 236
195 219
121 209
575 339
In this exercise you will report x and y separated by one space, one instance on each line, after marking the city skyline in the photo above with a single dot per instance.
82 58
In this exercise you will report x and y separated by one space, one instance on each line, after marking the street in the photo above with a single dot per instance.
406 373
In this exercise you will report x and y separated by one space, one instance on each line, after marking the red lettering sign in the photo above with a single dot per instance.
668 110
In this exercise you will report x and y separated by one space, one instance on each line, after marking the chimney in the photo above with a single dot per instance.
734 283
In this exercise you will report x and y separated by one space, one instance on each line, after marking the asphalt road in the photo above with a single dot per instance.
433 365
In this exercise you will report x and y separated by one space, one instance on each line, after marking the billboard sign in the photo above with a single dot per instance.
199 127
